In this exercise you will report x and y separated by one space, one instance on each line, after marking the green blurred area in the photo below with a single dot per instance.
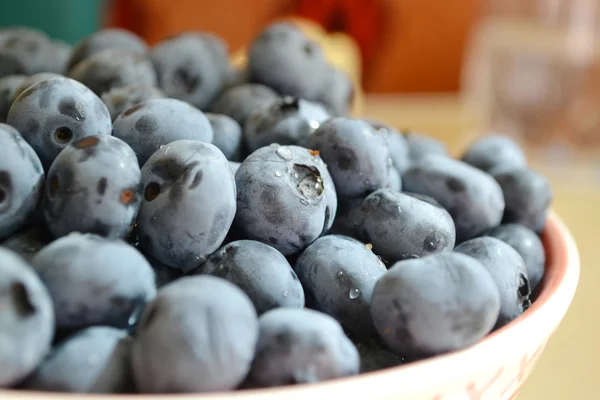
68 20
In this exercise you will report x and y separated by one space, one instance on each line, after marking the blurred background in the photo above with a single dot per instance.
454 69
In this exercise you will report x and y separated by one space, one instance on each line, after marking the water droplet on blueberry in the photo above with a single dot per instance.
354 294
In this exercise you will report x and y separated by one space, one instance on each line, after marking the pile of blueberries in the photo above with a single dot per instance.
170 223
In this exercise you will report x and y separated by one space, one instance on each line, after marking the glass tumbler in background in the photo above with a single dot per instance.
532 70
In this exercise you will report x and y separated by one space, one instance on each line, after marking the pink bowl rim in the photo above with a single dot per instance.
557 291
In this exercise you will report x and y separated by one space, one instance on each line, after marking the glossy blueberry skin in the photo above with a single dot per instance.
121 99
32 80
472 197
288 121
78 265
108 38
529 246
112 68
435 304
54 113
527 194
239 102
508 270
301 346
21 181
191 67
26 320
495 151
339 274
189 203
401 226
94 186
419 145
285 59
8 85
286 197
356 155
24 51
28 242
260 271
399 150
157 122
199 335
338 92
227 136
94 360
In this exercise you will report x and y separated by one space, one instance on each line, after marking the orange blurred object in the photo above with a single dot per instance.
405 45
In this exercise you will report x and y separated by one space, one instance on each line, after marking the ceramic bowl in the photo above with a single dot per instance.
495 368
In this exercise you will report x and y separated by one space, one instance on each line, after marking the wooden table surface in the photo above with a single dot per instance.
568 368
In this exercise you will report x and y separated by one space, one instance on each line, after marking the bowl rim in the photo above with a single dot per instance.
555 295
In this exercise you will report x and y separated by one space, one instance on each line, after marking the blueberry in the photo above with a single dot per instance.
121 99
508 270
8 85
157 122
399 150
346 218
108 38
423 197
21 181
199 335
374 355
60 55
94 281
191 67
189 203
164 274
298 346
419 145
285 197
527 195
24 51
282 57
227 135
112 68
94 186
357 156
339 274
234 166
54 113
401 226
337 93
26 320
472 197
28 242
94 360
495 151
287 121
32 80
241 101
237 76
260 271
435 304
528 245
